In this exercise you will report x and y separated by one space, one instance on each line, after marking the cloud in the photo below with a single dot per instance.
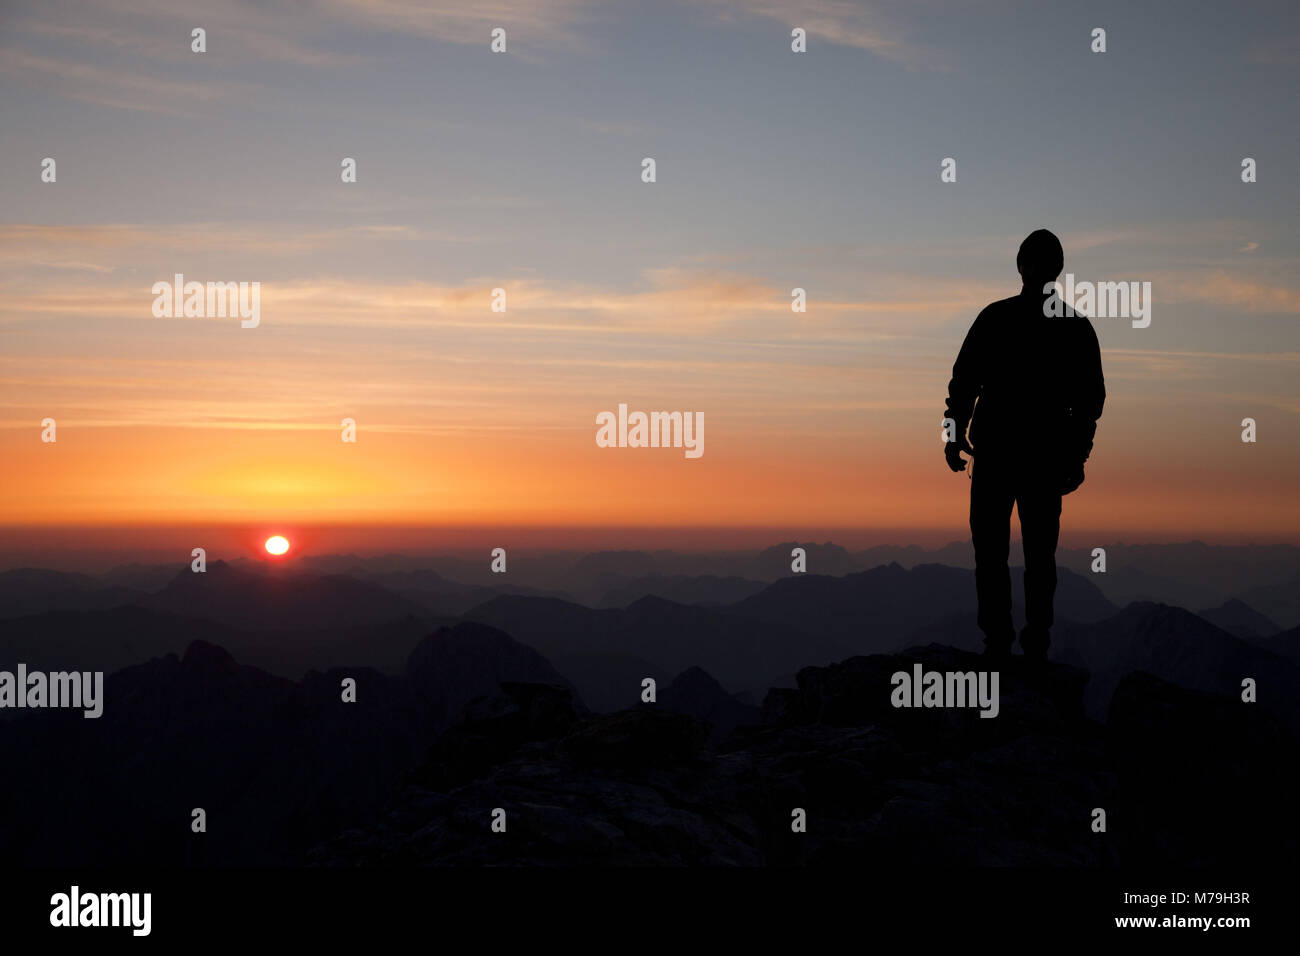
115 87
667 302
1222 288
114 247
545 22
159 31
129 40
841 22
307 33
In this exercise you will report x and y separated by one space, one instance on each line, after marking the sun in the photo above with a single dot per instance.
277 544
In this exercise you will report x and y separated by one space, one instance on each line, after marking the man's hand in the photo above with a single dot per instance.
952 451
1071 478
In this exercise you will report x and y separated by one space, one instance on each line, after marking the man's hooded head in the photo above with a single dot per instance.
1040 259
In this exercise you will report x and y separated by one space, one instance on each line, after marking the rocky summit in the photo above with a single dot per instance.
877 785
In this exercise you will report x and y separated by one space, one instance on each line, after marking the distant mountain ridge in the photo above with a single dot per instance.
279 601
32 590
482 711
874 611
1179 647
1240 620
1189 574
738 652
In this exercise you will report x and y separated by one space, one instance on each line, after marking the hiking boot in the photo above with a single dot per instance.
1034 642
998 648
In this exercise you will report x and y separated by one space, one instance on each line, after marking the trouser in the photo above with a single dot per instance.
995 486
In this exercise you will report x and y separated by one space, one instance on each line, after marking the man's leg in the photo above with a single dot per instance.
1040 527
990 530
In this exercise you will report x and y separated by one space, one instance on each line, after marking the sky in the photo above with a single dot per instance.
522 171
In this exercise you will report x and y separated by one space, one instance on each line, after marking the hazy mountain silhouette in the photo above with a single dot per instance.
446 597
695 692
874 611
1285 644
31 590
141 577
1280 602
826 558
740 653
868 611
1190 574
355 564
626 564
113 639
1175 645
103 640
271 601
1134 584
1194 574
477 718
457 664
608 681
1240 620
707 590
958 554
427 588
960 630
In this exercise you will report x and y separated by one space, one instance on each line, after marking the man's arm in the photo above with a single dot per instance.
964 386
1090 394
963 390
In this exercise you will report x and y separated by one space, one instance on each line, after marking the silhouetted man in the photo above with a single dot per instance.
1034 385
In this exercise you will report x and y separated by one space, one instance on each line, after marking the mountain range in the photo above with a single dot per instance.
225 692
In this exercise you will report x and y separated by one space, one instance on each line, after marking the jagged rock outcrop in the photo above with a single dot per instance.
881 786
877 783
1201 775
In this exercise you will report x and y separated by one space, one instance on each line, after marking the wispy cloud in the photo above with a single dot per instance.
842 22
116 87
528 22
1229 290
112 247
669 301
143 61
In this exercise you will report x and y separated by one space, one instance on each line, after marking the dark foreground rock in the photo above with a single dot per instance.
1203 775
880 786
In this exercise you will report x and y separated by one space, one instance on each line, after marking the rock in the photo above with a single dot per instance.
493 728
1202 776
893 787
638 738
858 691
